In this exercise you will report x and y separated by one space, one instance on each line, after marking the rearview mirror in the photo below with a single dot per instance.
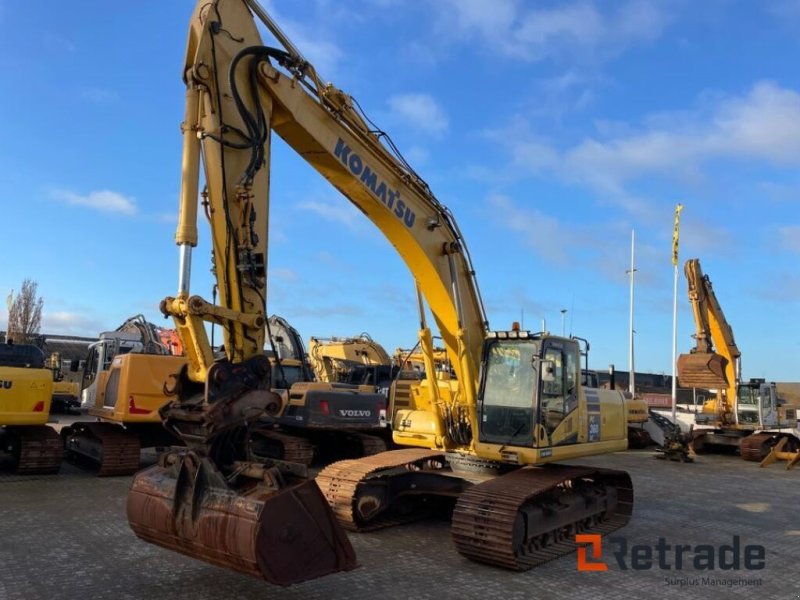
548 370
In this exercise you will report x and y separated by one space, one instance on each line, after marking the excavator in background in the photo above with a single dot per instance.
355 360
26 391
66 394
413 360
321 419
519 403
123 388
745 415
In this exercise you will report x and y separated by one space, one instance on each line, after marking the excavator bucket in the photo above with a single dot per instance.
283 533
702 370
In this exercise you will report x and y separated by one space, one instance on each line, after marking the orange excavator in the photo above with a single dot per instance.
518 404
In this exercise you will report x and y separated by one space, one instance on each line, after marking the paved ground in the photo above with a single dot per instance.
66 536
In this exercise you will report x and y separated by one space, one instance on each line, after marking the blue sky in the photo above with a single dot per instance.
551 129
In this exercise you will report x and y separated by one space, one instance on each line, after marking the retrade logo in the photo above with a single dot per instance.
735 556
593 541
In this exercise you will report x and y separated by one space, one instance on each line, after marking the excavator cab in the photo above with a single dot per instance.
529 387
757 404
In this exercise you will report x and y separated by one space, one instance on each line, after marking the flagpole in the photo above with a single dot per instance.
632 368
675 236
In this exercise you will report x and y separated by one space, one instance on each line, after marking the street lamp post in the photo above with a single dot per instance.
563 322
631 367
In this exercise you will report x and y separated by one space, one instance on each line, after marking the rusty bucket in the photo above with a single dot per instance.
702 370
283 533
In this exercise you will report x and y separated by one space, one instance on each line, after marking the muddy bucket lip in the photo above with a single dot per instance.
283 537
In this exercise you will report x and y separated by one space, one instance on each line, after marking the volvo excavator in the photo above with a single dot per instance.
27 444
493 444
747 415
322 419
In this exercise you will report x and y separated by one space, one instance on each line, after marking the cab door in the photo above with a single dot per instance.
557 421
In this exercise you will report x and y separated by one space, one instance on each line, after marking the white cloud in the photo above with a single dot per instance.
166 218
541 232
790 237
102 200
421 112
332 212
532 34
310 40
283 274
762 125
70 323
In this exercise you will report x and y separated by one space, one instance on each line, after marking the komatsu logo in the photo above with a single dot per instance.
6 384
390 198
355 413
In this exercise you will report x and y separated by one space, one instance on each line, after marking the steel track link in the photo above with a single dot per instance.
39 450
291 448
114 450
370 444
340 481
487 519
755 447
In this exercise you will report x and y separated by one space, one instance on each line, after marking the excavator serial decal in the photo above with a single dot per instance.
390 197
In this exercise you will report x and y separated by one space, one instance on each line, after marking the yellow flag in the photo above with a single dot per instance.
676 233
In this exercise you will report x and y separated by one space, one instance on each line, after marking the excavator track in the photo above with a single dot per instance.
755 447
531 515
114 450
37 449
273 444
370 444
340 481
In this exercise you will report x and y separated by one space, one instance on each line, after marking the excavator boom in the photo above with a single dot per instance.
214 500
713 362
515 403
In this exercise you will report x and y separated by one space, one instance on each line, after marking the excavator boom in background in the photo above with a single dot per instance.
518 402
745 415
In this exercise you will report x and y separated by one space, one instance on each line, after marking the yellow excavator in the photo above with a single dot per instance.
356 360
322 419
66 394
27 444
748 415
123 389
519 406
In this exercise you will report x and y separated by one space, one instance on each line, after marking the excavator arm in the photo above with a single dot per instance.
213 500
714 361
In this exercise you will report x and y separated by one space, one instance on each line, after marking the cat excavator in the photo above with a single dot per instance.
747 415
491 444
